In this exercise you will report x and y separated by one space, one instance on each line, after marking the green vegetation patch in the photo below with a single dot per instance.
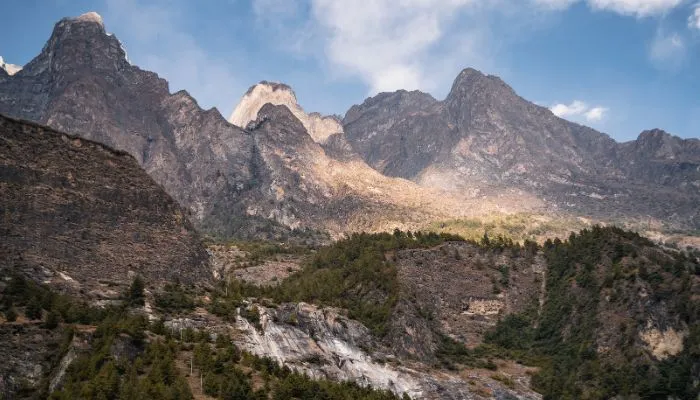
355 273
601 270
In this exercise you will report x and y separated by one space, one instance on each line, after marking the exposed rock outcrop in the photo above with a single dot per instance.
323 343
464 290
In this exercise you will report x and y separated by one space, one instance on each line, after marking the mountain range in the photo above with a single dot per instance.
400 159
131 264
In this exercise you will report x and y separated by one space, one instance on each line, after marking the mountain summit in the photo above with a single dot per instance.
318 126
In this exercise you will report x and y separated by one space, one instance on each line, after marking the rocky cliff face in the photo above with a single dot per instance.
82 83
484 135
464 289
663 159
84 217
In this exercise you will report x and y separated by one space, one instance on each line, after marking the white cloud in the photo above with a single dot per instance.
403 44
638 8
153 34
388 44
694 19
667 51
596 114
578 109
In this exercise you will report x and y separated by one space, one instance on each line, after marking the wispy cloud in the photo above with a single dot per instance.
596 114
155 41
555 4
578 109
694 19
638 8
667 50
393 45
388 44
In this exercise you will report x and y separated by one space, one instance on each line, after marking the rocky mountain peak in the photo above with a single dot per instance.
472 79
77 43
282 122
273 86
654 135
318 126
472 88
659 144
388 103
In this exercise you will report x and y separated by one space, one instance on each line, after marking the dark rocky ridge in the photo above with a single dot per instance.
84 217
484 135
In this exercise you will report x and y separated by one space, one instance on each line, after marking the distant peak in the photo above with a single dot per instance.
471 75
656 132
90 16
471 81
256 99
269 109
656 137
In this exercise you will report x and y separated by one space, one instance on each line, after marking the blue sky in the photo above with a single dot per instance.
620 66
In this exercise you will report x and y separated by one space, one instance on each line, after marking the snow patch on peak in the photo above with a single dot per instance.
279 94
11 69
91 17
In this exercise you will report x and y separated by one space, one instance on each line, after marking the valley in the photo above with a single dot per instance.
474 247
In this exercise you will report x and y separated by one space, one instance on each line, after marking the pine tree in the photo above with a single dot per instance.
135 296
11 315
33 310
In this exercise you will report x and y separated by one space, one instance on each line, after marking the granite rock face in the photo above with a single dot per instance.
86 218
323 343
484 135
